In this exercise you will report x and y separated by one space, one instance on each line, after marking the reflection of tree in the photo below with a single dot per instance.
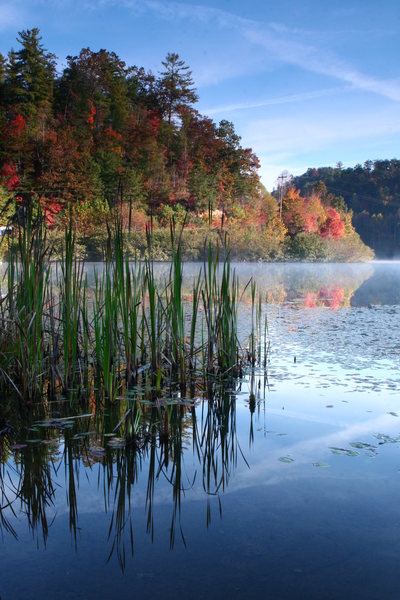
332 297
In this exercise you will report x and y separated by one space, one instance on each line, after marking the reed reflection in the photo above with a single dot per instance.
126 453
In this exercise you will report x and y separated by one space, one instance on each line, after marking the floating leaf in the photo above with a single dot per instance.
320 465
361 445
286 459
387 439
79 436
117 443
371 453
343 451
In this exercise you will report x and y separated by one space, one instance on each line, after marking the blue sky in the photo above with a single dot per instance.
306 84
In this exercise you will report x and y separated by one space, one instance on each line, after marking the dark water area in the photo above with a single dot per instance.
285 484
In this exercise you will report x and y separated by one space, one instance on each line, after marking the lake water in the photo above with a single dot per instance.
285 485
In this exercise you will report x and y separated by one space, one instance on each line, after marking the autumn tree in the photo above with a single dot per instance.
293 211
103 131
93 91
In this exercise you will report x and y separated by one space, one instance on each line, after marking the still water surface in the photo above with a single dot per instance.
295 495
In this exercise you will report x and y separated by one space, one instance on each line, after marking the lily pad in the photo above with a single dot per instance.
79 436
343 451
371 453
117 443
361 445
387 439
286 459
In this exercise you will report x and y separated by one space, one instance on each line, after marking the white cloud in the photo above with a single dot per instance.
288 142
293 98
311 59
307 133
269 469
269 37
275 38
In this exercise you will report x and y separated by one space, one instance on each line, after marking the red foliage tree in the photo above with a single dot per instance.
17 126
9 177
91 115
333 227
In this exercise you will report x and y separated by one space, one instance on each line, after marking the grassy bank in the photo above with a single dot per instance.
246 244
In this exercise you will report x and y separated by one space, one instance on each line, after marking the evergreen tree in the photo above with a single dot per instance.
94 90
3 70
30 73
176 86
11 83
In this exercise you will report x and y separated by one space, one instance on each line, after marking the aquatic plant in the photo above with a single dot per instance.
59 336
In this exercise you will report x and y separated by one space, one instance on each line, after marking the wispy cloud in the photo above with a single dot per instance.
310 58
269 470
307 133
276 39
292 98
268 36
297 142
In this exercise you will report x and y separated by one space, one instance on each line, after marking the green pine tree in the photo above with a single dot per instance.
176 85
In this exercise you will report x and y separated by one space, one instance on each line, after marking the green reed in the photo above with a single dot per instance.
220 302
59 334
128 286
71 299
28 280
105 319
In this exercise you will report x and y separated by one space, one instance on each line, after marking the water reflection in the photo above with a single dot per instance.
175 446
298 464
311 285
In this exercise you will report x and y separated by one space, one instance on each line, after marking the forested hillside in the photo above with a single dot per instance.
101 136
372 192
